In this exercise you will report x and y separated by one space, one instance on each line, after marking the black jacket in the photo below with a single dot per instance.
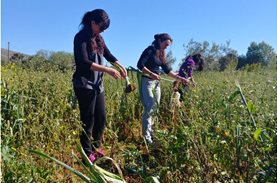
149 60
84 56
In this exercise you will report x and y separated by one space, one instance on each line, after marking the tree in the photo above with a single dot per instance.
170 60
194 46
229 61
212 53
45 54
38 63
17 57
242 61
260 53
62 59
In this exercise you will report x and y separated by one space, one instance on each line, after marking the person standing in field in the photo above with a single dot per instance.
191 63
151 60
89 51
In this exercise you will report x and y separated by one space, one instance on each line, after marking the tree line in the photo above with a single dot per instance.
219 57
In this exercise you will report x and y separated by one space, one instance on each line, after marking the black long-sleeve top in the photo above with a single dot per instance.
84 56
150 60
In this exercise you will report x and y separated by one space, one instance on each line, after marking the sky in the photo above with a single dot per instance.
33 25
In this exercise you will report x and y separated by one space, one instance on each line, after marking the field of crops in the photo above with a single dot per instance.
224 132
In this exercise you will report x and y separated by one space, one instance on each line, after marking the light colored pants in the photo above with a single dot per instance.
151 95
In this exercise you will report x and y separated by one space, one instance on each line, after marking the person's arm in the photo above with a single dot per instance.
177 77
190 65
123 71
174 75
151 74
109 57
112 72
145 56
182 70
192 80
81 54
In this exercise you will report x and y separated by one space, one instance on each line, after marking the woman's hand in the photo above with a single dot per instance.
183 80
155 76
192 81
150 74
122 70
114 73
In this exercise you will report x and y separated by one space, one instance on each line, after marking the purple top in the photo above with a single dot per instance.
187 68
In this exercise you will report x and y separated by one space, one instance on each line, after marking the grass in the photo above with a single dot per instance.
213 137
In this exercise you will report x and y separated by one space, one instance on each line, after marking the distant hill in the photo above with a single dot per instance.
5 54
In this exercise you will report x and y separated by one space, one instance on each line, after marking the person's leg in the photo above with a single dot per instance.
148 100
86 99
157 97
100 120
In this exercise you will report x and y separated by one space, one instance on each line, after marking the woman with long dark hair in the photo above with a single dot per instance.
191 63
89 51
151 60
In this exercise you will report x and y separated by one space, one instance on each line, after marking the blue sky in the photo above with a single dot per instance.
33 25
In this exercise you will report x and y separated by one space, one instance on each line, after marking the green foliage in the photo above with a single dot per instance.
228 62
36 112
45 61
260 53
62 60
211 138
170 60
217 57
37 63
94 173
17 57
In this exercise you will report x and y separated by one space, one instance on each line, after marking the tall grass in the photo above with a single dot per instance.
212 138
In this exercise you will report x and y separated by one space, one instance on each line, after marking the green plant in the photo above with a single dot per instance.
93 172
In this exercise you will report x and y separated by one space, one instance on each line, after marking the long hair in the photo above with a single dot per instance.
158 38
98 16
199 60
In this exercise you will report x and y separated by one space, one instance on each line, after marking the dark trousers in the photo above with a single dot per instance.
93 115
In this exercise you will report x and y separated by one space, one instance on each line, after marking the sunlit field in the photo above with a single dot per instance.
225 130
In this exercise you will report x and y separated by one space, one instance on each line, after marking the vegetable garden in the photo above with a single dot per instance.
225 130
